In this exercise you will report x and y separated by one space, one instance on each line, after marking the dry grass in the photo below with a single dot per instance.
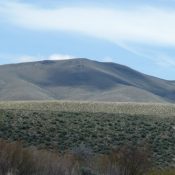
16 160
160 109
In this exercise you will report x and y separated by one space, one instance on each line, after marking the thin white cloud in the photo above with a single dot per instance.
165 61
28 58
60 57
142 24
156 55
108 59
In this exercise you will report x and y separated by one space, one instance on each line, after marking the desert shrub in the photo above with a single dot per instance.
127 160
17 160
133 160
65 130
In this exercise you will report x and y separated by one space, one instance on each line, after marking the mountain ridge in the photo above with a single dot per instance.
81 79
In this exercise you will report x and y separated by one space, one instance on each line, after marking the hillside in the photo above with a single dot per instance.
81 79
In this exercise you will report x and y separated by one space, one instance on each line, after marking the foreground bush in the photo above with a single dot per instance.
14 159
17 160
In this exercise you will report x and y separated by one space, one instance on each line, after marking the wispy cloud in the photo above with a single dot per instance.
142 24
26 58
165 61
60 57
31 58
156 55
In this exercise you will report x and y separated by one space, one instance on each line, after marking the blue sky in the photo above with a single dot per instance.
139 34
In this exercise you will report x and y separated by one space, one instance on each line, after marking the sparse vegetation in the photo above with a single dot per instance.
100 131
86 138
